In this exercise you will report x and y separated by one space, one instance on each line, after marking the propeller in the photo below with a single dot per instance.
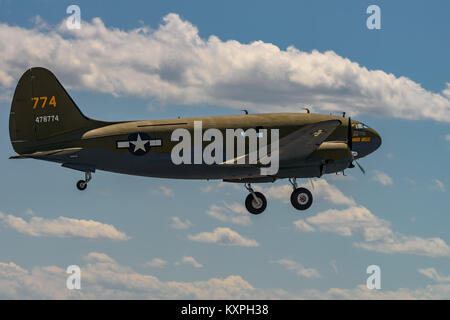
350 146
360 167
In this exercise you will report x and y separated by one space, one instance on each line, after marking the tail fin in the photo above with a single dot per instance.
43 113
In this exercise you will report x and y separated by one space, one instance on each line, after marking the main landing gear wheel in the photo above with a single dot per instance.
255 202
256 206
301 199
82 184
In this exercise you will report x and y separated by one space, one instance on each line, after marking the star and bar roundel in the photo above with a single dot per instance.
138 143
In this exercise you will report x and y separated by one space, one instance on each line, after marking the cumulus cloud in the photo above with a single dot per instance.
322 191
376 233
107 279
62 227
224 237
192 262
303 226
433 274
173 64
98 257
177 223
233 212
382 178
438 185
298 268
156 263
165 191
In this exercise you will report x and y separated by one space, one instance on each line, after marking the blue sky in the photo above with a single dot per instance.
405 190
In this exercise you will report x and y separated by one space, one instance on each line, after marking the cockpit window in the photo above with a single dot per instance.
361 125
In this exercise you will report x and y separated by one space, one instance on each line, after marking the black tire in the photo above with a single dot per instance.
252 206
301 199
81 185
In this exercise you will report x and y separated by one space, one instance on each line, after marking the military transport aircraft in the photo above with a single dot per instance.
46 124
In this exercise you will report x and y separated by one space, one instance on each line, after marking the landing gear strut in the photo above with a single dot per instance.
82 184
255 202
301 198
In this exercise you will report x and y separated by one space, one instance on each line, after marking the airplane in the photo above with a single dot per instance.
46 124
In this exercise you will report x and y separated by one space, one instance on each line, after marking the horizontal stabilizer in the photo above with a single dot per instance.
47 154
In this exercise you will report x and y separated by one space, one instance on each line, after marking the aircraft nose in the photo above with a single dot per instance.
367 143
375 140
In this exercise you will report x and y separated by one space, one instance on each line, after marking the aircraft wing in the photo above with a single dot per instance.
299 144
302 142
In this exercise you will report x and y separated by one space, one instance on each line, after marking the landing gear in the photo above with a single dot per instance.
301 198
255 202
82 184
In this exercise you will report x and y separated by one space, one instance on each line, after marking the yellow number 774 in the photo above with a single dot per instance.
44 99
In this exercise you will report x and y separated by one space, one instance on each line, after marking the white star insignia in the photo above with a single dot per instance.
139 144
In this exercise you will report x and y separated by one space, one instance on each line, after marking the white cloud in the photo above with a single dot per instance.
303 226
175 65
177 223
399 243
98 257
446 91
104 278
322 191
62 227
382 178
361 292
438 185
298 268
224 237
156 263
432 273
192 262
234 213
447 137
165 191
376 233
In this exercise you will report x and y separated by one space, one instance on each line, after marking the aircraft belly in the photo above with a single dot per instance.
160 165
156 164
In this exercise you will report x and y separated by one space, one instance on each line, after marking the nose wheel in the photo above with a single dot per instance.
82 184
301 198
255 202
